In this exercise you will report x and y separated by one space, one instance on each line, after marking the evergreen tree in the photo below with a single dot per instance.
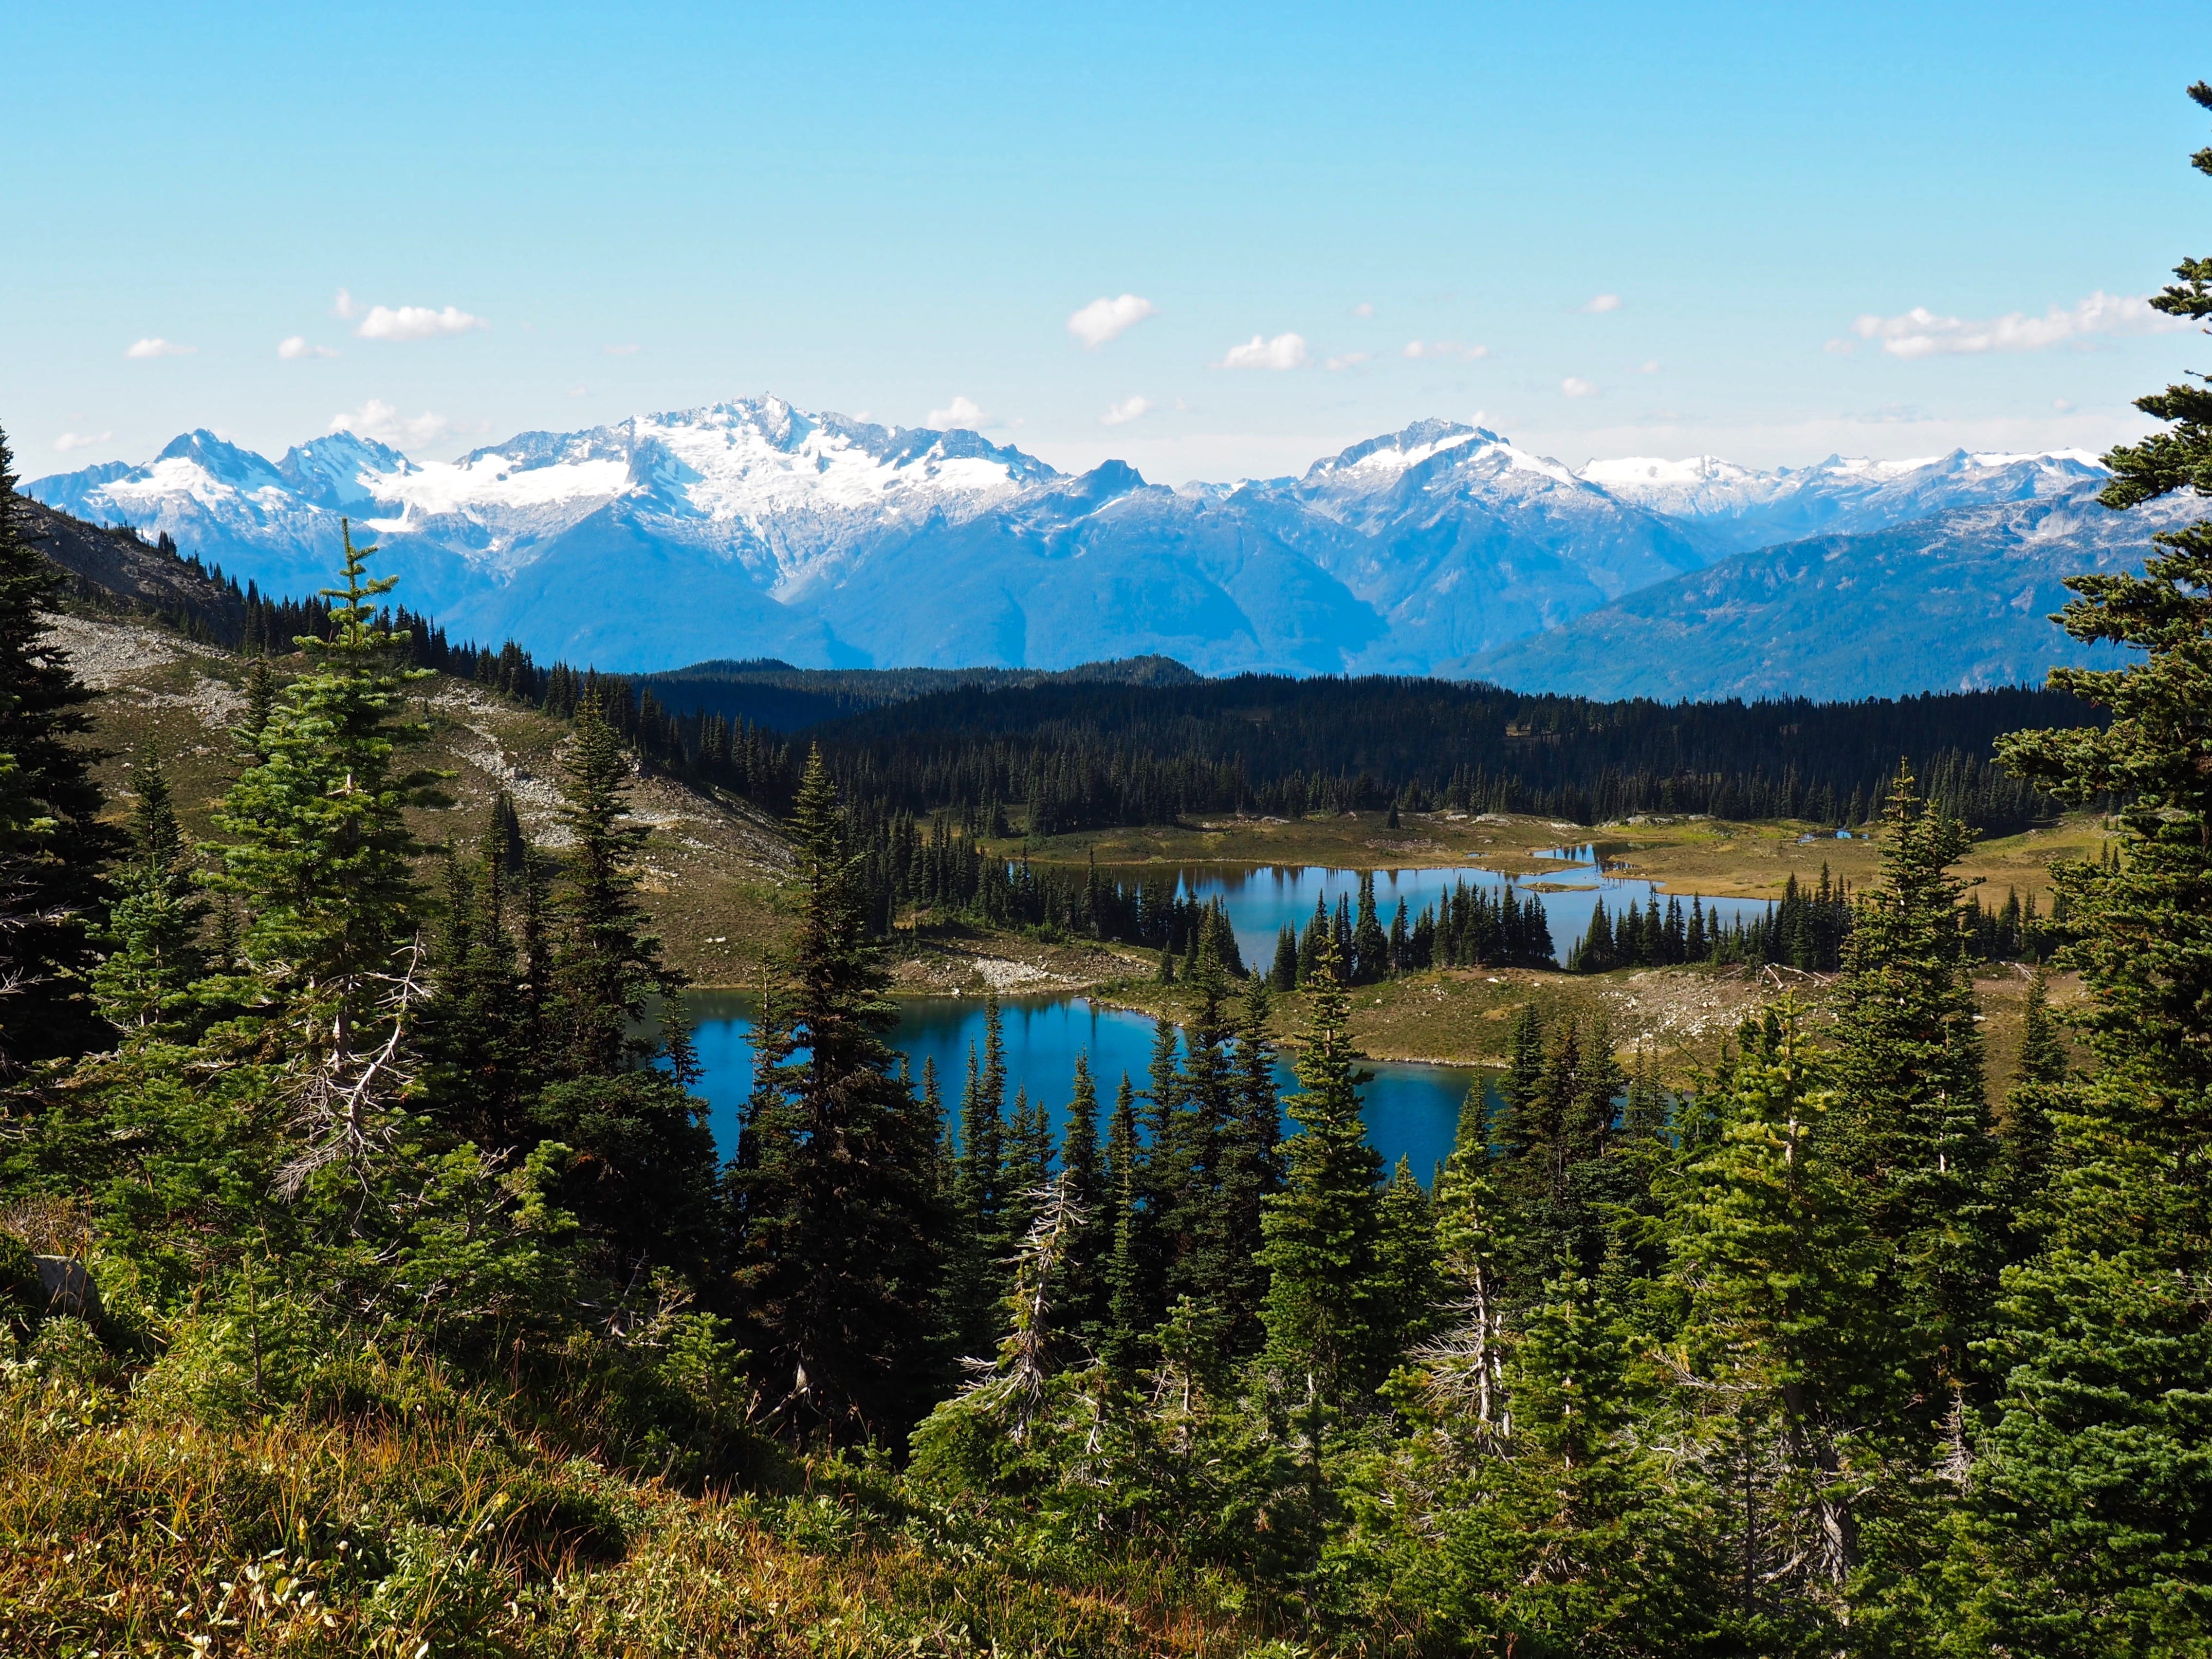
145 985
51 843
1311 942
1284 975
641 1179
1085 1175
1129 1287
2093 1498
1913 1121
837 1249
981 1204
321 856
260 702
478 1029
1194 1221
605 965
1407 1282
1326 1329
1370 960
1773 1277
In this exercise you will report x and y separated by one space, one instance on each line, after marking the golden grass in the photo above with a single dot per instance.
124 1533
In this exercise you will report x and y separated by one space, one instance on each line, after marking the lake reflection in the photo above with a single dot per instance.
1412 1111
1260 898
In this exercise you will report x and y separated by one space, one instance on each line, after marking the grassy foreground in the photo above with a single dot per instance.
388 1513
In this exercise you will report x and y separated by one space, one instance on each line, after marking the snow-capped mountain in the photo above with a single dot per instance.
1739 508
754 528
1459 539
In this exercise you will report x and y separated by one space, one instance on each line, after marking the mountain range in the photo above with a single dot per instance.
754 529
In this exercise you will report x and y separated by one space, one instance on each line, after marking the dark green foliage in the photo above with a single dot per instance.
320 854
1914 1130
52 845
604 964
838 1237
1327 1323
143 986
2091 1531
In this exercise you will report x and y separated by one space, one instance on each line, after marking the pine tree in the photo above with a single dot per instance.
1326 1326
477 1028
143 986
837 1248
1083 1178
51 843
260 702
321 856
2093 1498
982 1203
1370 960
1129 1287
1284 975
641 1178
1913 1123
1194 1221
1407 1281
1783 1343
605 965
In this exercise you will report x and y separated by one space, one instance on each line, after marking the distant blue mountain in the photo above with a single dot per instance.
755 529
1953 601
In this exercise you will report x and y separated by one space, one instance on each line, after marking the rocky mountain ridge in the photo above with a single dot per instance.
753 528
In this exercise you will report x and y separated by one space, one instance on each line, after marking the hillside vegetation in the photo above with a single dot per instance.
371 1282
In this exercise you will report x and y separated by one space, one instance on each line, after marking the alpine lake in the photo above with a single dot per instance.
1411 1109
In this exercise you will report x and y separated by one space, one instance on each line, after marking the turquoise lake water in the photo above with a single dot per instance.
1260 898
1412 1111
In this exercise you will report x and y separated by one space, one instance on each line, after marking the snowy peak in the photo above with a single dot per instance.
1394 452
216 462
341 472
1741 507
752 526
1442 465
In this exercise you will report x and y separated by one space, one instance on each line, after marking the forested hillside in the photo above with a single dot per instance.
371 1282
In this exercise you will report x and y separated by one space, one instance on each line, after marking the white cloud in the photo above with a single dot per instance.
1102 319
2063 405
157 347
1601 303
1839 348
1284 352
1920 332
962 414
344 307
378 420
1127 409
1364 308
1444 350
296 347
1575 387
619 351
1349 359
417 322
69 440
1651 366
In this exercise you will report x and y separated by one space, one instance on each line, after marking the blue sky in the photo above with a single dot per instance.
1603 230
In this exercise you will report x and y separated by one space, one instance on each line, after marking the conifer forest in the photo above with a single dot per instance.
372 1279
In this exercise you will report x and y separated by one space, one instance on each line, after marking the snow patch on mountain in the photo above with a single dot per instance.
752 527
